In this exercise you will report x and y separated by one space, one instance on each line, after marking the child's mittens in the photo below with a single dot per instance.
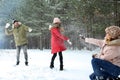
69 42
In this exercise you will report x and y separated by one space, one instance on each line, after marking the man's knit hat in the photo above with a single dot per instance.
14 21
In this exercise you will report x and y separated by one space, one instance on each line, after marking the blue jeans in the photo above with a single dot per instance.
24 47
104 68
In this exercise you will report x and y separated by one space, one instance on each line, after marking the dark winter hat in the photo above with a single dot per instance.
14 21
113 31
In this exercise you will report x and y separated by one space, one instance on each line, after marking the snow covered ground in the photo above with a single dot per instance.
77 65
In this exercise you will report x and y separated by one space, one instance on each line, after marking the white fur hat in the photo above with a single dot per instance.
56 20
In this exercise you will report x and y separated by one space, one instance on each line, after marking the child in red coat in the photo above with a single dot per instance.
57 42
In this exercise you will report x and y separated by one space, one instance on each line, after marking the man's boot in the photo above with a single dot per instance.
26 63
17 63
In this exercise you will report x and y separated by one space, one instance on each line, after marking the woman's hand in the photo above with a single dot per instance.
82 37
94 55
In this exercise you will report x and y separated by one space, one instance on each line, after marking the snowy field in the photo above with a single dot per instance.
77 65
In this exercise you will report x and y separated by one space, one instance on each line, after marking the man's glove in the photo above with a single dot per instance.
69 42
7 25
30 30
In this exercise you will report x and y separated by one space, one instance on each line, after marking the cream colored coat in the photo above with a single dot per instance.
108 52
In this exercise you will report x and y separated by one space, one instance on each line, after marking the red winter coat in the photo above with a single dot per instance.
57 41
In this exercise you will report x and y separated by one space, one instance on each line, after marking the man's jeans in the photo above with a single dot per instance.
104 68
24 47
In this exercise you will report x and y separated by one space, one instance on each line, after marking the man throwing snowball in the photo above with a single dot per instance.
19 31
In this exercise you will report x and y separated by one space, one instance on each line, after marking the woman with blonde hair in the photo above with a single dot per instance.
106 64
